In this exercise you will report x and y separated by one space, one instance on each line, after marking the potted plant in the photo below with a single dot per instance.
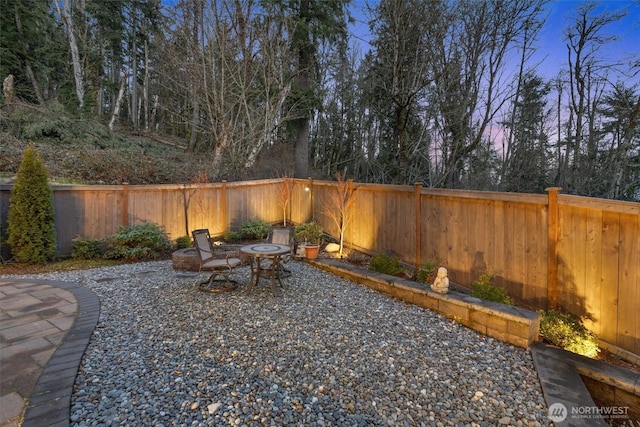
309 235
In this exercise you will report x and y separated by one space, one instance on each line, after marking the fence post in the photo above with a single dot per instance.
418 259
223 206
124 205
552 247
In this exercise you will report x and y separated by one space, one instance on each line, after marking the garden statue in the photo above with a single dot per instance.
441 284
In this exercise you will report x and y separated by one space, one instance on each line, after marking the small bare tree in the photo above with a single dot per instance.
284 196
188 192
338 207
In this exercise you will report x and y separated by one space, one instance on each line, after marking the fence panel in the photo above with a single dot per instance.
598 267
253 200
629 285
384 218
86 213
202 203
474 232
300 209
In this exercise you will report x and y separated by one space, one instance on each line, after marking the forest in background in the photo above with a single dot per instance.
207 90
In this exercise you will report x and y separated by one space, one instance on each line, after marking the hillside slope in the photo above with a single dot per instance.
86 152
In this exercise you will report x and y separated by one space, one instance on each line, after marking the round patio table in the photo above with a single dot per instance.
271 251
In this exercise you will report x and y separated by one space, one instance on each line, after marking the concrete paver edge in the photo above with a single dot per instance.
50 401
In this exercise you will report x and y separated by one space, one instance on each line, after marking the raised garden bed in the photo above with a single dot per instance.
517 326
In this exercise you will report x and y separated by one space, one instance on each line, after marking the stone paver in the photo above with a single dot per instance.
45 327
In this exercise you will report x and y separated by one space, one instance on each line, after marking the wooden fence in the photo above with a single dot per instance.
98 211
579 254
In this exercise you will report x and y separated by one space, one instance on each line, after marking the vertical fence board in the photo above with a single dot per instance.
535 257
519 230
629 283
610 276
499 260
511 255
429 227
593 269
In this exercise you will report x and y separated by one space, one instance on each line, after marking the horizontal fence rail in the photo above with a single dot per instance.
579 254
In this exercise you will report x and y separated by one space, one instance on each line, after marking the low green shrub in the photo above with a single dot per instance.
85 248
385 264
231 236
254 229
183 242
138 242
482 288
567 332
427 272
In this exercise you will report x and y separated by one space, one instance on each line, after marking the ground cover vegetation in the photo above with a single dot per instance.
155 92
568 332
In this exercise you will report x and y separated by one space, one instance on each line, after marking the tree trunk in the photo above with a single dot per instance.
302 149
116 108
75 55
194 124
27 63
304 62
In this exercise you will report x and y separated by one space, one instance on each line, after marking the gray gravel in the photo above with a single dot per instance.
326 352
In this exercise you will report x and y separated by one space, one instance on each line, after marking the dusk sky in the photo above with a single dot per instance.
551 44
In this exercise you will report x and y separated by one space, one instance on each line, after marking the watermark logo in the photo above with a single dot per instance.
558 412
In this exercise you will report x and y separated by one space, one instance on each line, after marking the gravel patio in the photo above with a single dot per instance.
326 352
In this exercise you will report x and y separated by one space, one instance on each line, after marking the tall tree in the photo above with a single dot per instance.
620 156
405 34
469 87
587 80
33 49
65 13
526 169
313 23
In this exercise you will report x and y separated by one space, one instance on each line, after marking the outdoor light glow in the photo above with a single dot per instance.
366 235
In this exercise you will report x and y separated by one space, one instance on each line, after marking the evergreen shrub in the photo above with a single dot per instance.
32 234
385 264
85 248
254 229
482 288
138 242
309 232
427 272
183 242
231 236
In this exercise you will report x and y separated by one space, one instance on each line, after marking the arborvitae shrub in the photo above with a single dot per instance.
32 234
